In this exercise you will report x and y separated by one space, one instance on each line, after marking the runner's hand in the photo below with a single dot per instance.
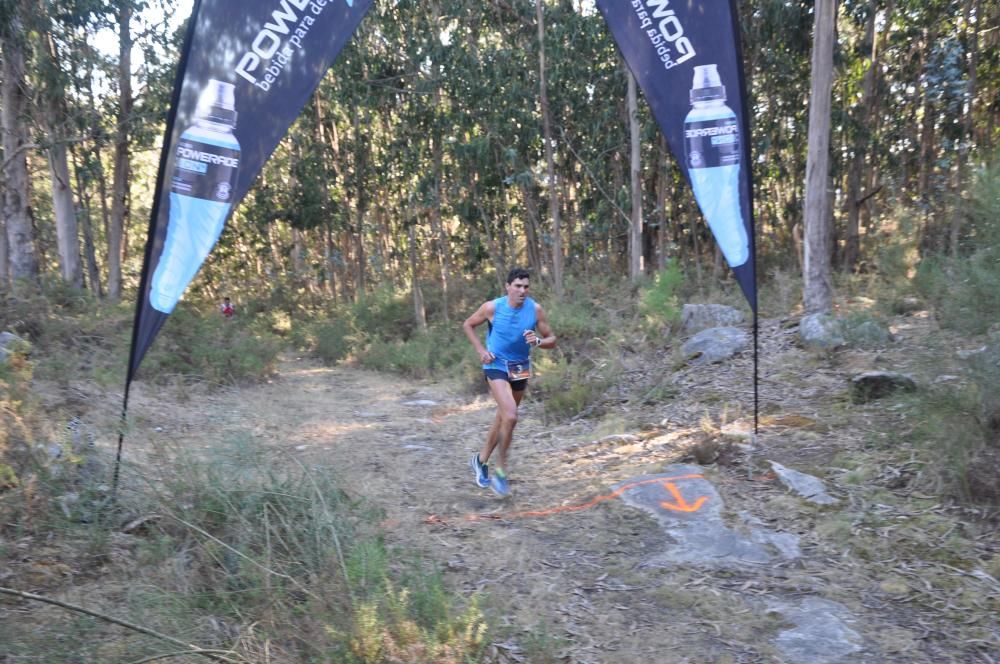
486 357
532 338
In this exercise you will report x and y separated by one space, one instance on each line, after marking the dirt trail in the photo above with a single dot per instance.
574 579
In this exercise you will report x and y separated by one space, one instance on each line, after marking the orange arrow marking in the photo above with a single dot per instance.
681 505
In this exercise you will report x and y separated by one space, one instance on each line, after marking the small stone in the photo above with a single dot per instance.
872 385
967 354
420 402
809 487
8 342
698 317
894 586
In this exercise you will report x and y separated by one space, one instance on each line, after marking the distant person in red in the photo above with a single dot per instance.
227 308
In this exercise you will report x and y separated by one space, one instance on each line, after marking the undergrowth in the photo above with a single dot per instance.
250 551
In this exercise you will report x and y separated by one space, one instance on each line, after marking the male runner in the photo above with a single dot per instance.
512 320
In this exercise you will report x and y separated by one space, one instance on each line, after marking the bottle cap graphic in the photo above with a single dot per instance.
707 85
217 103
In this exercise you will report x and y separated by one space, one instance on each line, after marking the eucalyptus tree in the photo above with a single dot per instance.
19 260
635 219
777 47
121 168
543 97
818 285
969 37
861 117
51 81
491 148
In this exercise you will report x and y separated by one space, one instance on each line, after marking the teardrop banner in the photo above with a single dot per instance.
686 58
247 68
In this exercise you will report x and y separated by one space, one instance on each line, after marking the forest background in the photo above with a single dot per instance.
452 140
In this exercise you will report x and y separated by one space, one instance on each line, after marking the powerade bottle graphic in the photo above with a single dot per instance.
712 144
201 195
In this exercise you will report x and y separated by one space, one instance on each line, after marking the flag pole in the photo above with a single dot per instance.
747 157
143 278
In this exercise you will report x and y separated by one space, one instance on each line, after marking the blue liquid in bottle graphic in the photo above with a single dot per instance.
712 144
201 195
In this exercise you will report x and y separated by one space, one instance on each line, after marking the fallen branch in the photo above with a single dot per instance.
180 653
211 654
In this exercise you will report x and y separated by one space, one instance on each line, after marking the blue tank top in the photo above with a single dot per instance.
506 336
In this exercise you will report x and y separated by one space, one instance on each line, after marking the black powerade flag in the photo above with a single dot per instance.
685 55
246 71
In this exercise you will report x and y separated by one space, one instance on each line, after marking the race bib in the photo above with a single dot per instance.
519 369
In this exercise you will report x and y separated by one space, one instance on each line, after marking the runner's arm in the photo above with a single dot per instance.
483 314
546 336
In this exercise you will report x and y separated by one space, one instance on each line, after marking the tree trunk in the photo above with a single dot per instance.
331 265
862 140
972 37
818 286
929 241
437 155
662 175
54 114
4 263
635 218
557 250
65 217
22 262
89 249
531 223
298 254
119 188
419 313
331 167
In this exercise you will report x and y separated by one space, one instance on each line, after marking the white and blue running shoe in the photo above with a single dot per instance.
482 472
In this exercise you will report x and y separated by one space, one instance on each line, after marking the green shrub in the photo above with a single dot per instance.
385 313
332 340
435 353
965 290
658 302
269 541
864 330
15 419
569 388
577 321
199 343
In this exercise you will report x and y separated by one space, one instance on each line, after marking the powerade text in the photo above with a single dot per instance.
276 42
665 31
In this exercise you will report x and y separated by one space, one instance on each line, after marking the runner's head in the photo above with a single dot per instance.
517 286
517 273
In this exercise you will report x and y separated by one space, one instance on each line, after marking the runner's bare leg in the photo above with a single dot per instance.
502 431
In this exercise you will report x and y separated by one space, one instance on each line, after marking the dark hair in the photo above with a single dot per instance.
517 273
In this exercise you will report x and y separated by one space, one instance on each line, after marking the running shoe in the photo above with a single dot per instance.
482 472
499 483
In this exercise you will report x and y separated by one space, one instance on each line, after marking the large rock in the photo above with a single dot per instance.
8 341
820 331
872 385
715 344
690 511
868 334
821 632
809 487
698 317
